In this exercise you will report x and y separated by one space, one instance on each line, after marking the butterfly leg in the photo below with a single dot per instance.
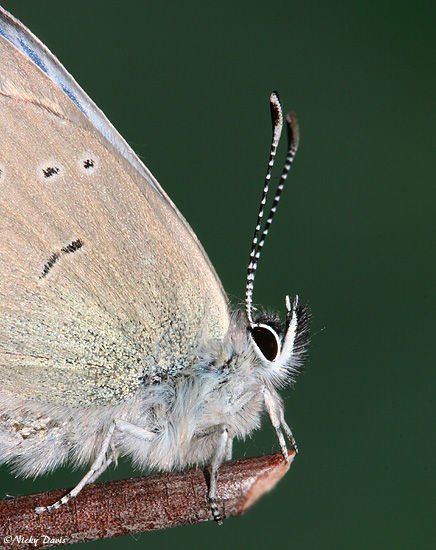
218 459
135 431
288 432
101 462
111 459
275 412
98 467
229 449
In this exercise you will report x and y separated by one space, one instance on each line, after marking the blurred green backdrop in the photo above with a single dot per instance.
187 84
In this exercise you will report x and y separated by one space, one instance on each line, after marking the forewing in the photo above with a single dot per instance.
102 281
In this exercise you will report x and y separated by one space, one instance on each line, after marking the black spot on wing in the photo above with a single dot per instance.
70 248
50 171
88 163
49 264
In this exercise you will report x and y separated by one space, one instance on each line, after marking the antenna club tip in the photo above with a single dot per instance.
293 128
276 116
276 106
274 97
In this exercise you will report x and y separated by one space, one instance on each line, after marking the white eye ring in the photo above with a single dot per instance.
266 341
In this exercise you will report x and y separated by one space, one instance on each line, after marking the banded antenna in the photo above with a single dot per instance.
260 236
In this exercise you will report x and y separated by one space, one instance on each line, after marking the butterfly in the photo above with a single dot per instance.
116 335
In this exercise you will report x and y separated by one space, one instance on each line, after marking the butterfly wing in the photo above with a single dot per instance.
103 283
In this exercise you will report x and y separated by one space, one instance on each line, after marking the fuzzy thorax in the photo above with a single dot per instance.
223 389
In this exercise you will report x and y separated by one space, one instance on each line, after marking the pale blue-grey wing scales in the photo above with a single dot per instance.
13 30
102 283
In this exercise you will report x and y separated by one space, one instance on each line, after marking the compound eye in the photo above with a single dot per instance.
267 341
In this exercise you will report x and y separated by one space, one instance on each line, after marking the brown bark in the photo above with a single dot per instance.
104 510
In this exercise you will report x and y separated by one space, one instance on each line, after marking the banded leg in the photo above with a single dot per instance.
217 460
97 468
275 412
288 433
102 461
111 459
135 431
229 449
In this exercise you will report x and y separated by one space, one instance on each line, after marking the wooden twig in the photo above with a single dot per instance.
105 510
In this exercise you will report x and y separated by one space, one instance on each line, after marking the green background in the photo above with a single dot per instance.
187 84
